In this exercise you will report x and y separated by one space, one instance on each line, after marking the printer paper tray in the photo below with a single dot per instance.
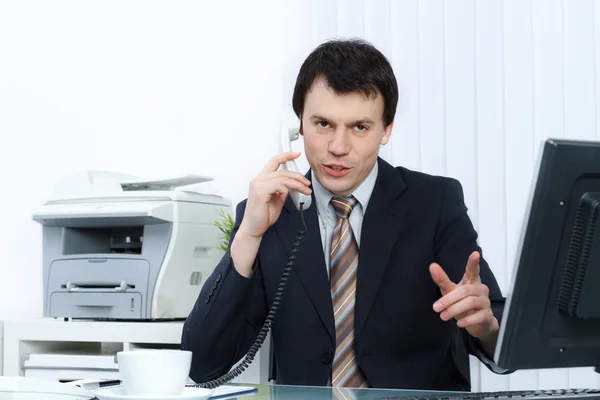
96 305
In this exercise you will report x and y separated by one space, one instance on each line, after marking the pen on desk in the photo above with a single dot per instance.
98 384
113 382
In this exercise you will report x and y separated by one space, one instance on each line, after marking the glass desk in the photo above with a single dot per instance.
284 392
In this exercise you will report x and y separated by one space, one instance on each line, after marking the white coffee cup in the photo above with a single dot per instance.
154 372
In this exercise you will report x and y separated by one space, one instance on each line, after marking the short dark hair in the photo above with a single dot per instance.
349 65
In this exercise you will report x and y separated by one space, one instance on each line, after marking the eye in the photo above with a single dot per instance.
322 124
361 128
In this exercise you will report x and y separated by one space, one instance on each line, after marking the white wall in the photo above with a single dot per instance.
141 87
159 88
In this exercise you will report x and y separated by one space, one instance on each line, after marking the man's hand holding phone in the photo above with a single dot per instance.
267 194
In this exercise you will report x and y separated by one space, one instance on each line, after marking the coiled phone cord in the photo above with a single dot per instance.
268 321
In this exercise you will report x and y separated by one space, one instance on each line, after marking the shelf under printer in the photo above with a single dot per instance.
117 247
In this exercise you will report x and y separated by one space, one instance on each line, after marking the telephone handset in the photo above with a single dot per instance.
290 130
290 127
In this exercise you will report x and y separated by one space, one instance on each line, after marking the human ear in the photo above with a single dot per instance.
387 132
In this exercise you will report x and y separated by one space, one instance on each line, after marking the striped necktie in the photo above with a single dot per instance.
344 262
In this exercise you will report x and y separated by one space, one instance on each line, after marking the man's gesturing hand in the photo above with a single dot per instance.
467 301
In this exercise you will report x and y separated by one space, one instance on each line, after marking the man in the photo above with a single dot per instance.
388 288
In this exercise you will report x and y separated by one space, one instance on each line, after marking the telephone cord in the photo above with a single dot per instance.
229 376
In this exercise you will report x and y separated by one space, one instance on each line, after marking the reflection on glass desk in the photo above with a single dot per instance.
284 392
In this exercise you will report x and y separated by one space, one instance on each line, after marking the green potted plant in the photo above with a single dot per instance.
225 225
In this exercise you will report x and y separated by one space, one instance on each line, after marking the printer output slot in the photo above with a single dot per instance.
113 240
118 287
128 241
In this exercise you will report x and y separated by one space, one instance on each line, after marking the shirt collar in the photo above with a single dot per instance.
362 193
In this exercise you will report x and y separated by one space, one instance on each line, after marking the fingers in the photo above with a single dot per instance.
441 278
466 306
459 293
282 185
472 270
266 184
278 176
279 159
480 317
284 173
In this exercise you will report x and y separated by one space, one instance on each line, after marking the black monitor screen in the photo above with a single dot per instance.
552 314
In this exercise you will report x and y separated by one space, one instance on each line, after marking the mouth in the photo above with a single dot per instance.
336 170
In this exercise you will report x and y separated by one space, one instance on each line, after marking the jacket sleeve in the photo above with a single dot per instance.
226 317
456 239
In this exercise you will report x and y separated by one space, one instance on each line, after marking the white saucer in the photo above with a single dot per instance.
188 393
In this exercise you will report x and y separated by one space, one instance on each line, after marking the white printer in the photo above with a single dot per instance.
118 247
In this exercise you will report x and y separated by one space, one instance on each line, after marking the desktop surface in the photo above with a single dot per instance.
285 392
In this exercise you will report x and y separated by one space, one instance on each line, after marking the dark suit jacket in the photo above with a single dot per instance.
412 220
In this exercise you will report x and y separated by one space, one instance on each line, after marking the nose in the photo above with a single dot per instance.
339 144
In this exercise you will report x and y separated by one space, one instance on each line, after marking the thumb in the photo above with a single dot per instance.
441 279
282 197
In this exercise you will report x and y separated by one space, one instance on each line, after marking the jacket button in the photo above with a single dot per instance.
326 358
218 277
207 299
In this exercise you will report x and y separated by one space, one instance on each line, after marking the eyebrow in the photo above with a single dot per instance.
364 121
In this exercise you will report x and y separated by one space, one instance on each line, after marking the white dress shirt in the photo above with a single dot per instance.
328 217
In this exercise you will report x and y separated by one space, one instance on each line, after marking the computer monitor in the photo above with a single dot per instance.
552 313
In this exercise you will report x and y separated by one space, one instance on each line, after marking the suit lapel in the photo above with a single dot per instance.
309 264
381 225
